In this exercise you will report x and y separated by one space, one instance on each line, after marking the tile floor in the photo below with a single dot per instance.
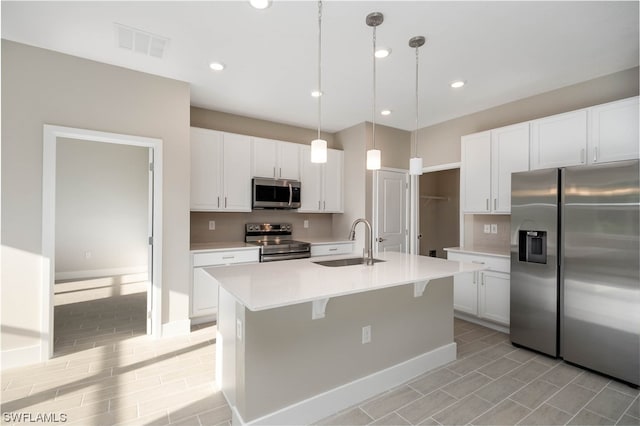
494 383
134 380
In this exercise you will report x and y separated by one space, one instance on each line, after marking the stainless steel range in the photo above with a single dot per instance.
275 241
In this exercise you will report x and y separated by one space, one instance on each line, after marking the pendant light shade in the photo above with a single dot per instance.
373 155
373 159
319 146
318 151
415 163
415 166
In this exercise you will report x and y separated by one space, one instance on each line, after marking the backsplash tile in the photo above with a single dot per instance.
230 226
476 237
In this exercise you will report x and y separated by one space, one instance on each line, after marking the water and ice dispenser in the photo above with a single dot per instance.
532 246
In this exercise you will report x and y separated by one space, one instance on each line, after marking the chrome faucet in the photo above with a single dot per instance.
352 237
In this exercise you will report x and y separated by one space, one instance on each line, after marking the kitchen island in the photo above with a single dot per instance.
298 341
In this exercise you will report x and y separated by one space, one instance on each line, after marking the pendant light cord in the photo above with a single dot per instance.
319 66
415 137
373 121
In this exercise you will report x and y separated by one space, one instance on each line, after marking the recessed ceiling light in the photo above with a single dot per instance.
385 112
316 93
216 66
458 84
260 4
383 52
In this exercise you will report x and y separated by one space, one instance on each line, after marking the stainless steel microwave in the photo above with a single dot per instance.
275 194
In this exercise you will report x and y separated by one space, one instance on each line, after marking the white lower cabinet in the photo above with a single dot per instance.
329 249
483 294
493 296
204 289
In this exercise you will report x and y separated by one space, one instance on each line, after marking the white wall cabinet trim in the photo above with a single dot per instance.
613 132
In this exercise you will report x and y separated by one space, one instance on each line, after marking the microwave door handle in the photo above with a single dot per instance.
290 195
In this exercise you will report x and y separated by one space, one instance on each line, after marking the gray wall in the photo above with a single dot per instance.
440 143
282 343
102 200
45 87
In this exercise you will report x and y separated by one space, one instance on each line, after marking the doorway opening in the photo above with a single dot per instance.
101 238
101 254
439 212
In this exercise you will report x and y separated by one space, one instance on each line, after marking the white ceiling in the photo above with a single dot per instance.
504 50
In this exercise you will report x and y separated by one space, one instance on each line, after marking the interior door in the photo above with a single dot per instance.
390 219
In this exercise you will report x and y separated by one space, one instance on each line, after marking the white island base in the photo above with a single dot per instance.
280 366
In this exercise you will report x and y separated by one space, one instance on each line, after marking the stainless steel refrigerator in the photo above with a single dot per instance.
575 265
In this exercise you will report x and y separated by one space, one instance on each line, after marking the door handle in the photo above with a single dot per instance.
380 239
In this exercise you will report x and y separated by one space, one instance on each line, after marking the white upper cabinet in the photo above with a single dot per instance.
602 133
322 184
476 172
509 154
275 159
206 169
220 171
559 140
488 159
613 132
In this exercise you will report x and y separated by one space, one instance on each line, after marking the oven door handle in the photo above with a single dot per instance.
290 195
288 256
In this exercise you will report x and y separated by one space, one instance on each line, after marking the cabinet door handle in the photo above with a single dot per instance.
319 208
218 201
482 279
474 278
595 154
274 171
495 204
225 202
582 155
324 205
280 172
228 257
333 249
478 262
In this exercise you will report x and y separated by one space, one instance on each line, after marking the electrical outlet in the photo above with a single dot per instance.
487 228
366 334
494 228
87 255
212 225
306 224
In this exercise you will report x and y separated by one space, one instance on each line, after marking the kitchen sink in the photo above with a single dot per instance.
345 262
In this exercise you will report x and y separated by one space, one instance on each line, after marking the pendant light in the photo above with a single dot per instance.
319 145
415 163
373 155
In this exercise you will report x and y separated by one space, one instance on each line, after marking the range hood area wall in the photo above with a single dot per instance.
230 226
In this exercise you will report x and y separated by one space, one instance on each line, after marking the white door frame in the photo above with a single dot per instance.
50 136
374 202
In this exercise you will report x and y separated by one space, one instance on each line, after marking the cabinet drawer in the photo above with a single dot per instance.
330 249
499 264
226 257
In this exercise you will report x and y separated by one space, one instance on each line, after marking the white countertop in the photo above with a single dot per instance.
480 250
270 285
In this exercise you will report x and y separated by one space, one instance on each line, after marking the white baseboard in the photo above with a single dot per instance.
176 328
94 273
320 406
476 320
20 357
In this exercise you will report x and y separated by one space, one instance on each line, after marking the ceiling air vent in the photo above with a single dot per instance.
140 41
